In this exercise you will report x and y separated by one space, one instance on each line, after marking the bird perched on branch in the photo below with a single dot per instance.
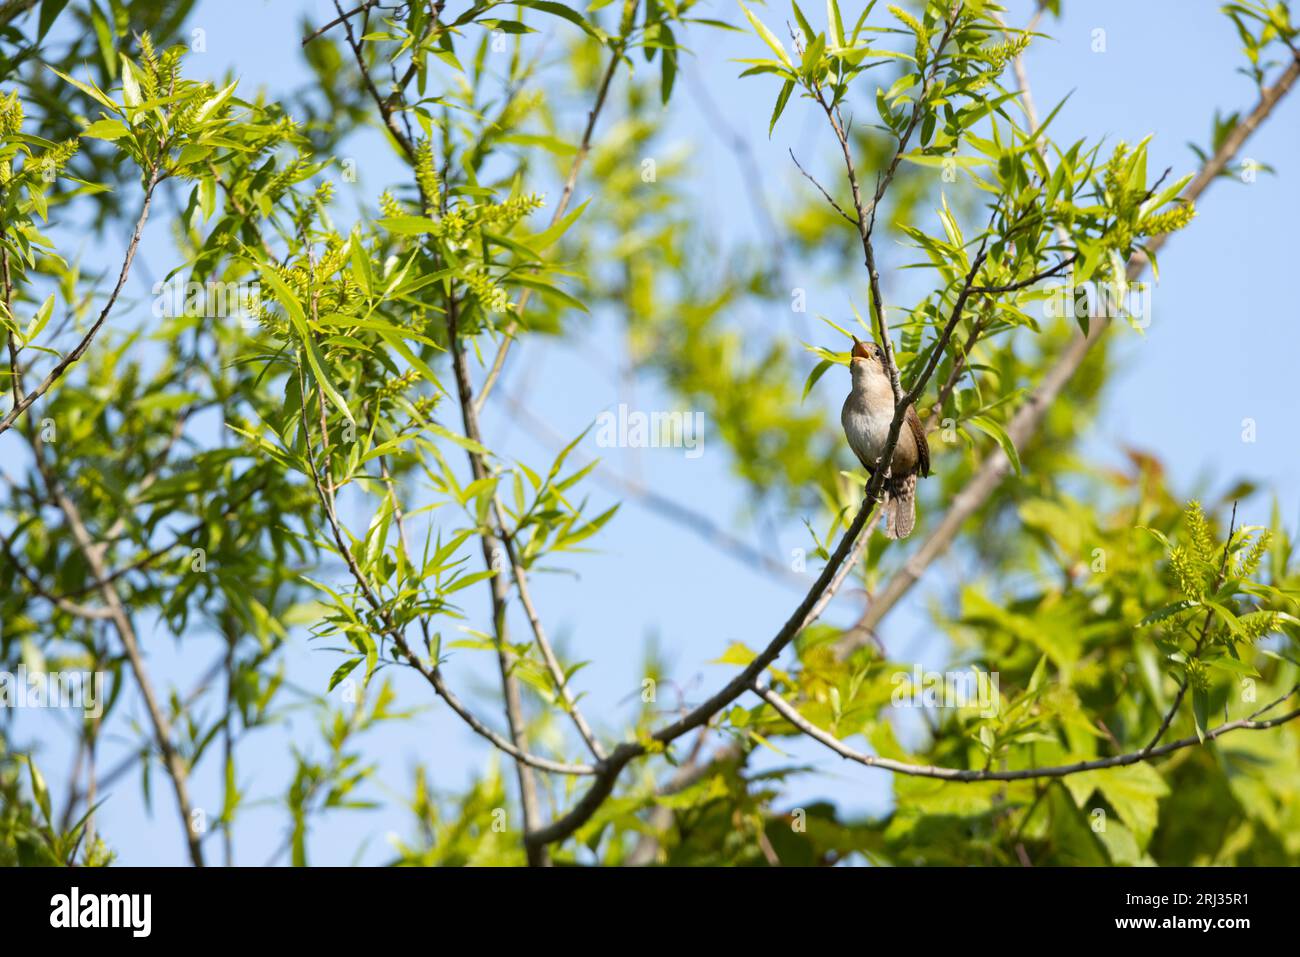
867 415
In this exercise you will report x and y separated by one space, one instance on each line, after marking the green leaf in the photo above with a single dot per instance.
564 13
130 88
299 320
547 289
214 102
552 144
540 241
50 10
401 348
94 92
39 320
342 671
782 98
104 36
464 581
835 23
1228 617
736 654
768 37
818 371
450 436
1232 665
39 790
105 130
361 270
667 64
1133 791
812 57
1201 712
1160 614
999 435
408 225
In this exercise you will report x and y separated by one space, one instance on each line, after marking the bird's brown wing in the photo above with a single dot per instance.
922 446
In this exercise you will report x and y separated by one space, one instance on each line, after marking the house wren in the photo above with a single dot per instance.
867 414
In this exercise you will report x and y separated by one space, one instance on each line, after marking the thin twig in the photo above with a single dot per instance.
1037 277
337 20
834 205
62 365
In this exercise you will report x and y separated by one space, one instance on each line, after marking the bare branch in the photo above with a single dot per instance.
834 205
337 20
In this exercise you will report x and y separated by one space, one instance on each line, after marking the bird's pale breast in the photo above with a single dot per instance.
866 425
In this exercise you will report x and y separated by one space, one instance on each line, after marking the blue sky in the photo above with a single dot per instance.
1223 313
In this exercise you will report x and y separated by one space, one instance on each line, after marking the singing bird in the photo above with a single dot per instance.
867 414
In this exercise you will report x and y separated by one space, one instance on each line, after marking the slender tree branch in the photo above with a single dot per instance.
62 365
88 612
543 645
172 761
834 205
385 104
866 215
787 711
566 194
1037 277
832 576
510 686
489 542
118 770
836 569
506 658
341 18
14 373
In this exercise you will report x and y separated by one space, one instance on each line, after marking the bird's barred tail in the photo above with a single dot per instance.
900 507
